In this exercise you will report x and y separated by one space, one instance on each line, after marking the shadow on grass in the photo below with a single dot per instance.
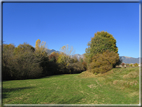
5 91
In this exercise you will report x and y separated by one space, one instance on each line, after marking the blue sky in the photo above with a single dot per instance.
59 24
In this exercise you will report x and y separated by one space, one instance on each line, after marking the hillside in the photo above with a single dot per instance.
129 60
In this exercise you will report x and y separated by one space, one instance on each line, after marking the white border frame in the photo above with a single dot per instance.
75 1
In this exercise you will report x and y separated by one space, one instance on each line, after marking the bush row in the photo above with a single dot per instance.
25 62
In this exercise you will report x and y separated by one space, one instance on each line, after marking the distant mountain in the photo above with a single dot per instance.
78 56
129 60
52 50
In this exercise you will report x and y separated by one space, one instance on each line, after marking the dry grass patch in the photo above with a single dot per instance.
123 82
92 86
105 74
131 75
18 98
133 94
95 102
133 82
87 74
101 79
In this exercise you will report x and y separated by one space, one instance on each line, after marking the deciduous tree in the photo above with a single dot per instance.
101 42
102 63
41 47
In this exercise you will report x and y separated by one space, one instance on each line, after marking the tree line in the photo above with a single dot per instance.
25 61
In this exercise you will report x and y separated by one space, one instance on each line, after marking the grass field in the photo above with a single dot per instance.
118 86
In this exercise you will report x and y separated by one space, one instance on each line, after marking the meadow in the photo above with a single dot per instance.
118 86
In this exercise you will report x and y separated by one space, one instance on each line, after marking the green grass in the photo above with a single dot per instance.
118 86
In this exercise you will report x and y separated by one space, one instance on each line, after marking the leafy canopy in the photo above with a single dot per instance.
101 42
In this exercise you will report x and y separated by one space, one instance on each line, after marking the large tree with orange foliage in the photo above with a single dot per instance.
101 42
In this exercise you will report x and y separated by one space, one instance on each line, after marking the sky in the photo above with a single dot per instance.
59 24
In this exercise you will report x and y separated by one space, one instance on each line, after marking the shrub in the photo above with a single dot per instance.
136 64
21 62
7 62
123 64
53 57
130 65
102 63
127 65
27 64
84 65
75 67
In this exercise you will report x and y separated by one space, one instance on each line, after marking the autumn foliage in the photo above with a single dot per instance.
123 64
101 54
104 62
101 42
25 61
